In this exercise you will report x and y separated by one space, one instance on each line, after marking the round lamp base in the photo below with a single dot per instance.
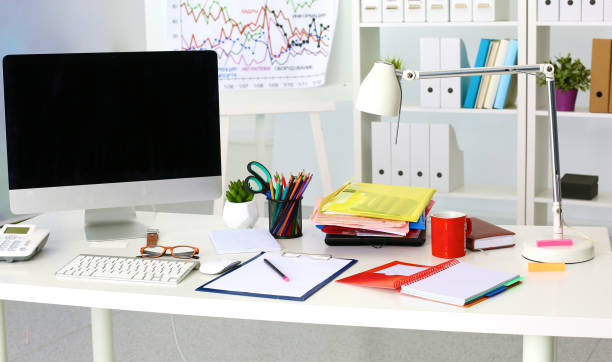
581 251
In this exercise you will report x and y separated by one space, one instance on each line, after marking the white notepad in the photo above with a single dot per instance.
256 278
455 282
243 241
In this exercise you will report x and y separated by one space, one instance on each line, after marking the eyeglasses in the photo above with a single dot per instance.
179 251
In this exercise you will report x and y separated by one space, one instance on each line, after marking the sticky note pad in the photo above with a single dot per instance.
546 267
558 242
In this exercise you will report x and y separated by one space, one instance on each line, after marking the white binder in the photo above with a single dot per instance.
437 11
450 58
371 11
446 159
430 60
570 10
607 10
381 153
548 10
461 10
414 11
419 154
491 10
400 155
393 11
592 10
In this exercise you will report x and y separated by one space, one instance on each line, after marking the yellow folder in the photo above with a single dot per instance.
390 202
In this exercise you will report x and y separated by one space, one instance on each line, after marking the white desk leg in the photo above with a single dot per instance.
224 134
3 348
319 140
102 335
539 349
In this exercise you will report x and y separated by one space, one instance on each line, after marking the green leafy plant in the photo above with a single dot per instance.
237 192
396 61
569 74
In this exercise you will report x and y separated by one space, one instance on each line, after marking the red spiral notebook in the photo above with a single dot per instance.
451 282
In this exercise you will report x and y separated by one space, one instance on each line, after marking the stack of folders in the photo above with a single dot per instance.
493 91
599 100
574 11
372 214
451 282
396 11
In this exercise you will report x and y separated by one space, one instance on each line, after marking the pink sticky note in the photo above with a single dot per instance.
559 242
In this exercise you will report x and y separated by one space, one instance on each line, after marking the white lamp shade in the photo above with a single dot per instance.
380 91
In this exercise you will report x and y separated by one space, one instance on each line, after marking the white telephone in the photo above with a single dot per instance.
21 242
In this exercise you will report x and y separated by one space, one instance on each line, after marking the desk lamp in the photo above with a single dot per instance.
380 94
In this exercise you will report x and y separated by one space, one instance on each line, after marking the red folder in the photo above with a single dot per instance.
370 278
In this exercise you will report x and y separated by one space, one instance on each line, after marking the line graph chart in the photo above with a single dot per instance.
261 44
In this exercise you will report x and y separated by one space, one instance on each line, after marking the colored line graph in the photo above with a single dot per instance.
268 41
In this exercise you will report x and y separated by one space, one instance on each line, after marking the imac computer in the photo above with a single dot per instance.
105 132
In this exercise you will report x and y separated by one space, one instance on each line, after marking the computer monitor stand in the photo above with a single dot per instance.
113 224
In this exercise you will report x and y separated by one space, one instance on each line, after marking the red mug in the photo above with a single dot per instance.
449 231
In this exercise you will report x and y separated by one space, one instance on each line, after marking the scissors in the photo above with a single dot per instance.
260 176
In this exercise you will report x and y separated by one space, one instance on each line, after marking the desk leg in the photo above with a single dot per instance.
3 348
539 349
102 335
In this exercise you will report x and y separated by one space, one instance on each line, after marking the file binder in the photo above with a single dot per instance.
491 10
437 11
505 81
393 11
451 57
430 60
474 85
371 11
461 10
592 10
570 10
500 58
400 155
548 10
414 11
419 154
446 166
600 75
484 83
381 153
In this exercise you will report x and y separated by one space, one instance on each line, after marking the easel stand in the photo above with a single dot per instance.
234 107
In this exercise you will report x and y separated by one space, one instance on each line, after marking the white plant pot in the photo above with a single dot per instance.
240 215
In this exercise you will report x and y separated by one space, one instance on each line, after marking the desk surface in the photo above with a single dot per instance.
577 302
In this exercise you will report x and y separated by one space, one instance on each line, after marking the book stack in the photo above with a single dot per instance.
493 91
373 214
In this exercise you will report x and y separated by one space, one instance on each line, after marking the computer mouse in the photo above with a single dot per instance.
217 265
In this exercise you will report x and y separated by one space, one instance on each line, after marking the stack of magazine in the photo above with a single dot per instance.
373 214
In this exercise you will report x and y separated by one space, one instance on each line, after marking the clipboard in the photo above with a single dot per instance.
254 278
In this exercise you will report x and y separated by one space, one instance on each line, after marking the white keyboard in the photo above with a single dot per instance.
127 269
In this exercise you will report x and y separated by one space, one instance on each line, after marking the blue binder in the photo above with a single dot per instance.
504 81
310 292
481 60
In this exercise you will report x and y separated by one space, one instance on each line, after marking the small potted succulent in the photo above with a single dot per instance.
570 76
239 211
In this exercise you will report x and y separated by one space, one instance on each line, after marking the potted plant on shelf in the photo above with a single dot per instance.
239 211
570 76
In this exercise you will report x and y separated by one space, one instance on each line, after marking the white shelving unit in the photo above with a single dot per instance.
541 40
366 50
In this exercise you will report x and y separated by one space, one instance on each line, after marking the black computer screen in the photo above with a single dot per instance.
78 119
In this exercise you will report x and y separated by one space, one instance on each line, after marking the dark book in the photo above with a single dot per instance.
487 236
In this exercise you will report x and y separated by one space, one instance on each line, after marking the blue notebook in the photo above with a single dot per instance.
255 278
504 81
481 60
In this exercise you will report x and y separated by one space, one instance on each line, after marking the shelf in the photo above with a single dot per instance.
486 192
578 113
507 24
603 199
508 111
573 23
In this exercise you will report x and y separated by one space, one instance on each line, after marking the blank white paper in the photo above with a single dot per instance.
243 241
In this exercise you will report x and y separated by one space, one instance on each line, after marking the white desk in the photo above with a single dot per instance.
574 303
